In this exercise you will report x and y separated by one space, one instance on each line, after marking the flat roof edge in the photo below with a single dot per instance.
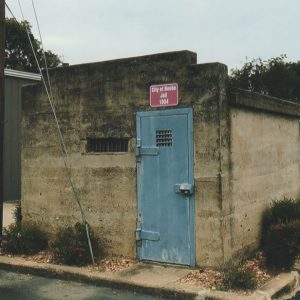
185 56
240 97
23 75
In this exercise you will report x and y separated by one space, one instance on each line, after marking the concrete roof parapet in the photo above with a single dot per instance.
249 99
183 57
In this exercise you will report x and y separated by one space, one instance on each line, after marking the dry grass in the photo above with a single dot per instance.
112 264
212 279
107 264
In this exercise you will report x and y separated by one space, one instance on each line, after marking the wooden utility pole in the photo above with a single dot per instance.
2 56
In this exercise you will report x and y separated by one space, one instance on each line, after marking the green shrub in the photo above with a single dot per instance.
239 278
281 212
280 239
17 214
71 246
23 239
282 245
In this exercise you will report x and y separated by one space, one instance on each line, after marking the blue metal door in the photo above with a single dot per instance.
165 180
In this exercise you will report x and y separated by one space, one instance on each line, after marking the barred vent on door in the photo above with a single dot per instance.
164 138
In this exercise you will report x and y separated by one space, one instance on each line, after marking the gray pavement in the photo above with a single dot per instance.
17 286
151 279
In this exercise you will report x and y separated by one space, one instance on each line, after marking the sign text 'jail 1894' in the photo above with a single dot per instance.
162 95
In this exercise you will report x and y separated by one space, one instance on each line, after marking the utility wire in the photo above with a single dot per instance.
51 99
44 56
10 11
63 146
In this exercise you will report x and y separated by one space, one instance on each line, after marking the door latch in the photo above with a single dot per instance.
184 188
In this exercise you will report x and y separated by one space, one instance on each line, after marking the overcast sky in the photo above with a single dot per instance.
227 31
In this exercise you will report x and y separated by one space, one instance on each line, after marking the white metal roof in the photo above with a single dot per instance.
21 74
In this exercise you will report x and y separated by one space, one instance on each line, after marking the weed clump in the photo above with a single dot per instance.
27 238
239 278
71 246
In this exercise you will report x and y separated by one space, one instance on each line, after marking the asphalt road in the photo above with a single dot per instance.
17 286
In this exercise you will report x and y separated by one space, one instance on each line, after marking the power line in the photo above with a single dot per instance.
44 56
50 98
10 10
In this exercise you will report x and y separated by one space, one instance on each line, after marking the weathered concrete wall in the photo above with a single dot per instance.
211 128
265 157
100 100
246 151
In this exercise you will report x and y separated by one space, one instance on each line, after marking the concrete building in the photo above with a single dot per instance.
182 183
14 80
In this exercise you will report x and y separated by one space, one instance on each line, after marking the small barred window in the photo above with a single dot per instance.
164 138
107 145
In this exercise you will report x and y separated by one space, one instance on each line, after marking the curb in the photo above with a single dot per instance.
279 285
99 279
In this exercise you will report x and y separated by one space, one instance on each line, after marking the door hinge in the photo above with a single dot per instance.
146 235
146 151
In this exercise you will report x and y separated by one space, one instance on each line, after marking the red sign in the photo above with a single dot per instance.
162 95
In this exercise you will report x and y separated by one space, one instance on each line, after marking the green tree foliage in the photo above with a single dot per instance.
275 77
18 52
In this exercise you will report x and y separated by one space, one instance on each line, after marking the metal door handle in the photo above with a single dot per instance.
184 188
